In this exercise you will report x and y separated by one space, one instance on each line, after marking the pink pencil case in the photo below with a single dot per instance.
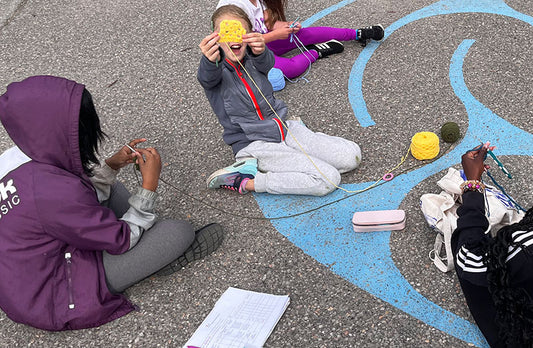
378 220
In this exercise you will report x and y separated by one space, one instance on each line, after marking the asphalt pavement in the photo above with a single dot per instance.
139 60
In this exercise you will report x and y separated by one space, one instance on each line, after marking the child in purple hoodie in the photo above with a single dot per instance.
72 238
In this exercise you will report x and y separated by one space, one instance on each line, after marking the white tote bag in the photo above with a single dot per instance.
440 211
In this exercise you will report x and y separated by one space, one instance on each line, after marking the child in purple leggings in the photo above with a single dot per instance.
268 18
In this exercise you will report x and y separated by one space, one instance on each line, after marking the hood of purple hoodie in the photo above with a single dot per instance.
41 115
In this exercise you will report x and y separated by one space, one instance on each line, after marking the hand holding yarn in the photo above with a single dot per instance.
472 162
150 166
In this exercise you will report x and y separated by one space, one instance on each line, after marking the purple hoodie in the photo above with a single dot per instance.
52 228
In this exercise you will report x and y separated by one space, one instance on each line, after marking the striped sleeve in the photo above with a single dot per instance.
523 239
469 238
468 261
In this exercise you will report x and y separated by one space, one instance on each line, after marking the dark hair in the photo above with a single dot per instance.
90 133
233 11
276 11
514 308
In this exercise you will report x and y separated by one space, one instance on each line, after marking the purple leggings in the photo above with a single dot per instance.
295 66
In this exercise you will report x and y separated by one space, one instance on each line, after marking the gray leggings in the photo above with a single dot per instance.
158 246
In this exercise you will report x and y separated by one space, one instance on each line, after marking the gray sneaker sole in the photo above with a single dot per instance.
206 241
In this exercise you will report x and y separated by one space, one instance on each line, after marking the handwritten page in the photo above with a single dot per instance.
240 319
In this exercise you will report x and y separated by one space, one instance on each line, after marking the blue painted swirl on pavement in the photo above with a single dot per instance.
365 258
355 84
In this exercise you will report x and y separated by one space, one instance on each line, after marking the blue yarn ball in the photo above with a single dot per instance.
276 78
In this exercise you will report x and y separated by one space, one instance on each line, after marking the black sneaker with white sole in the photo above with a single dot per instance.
207 240
374 32
326 48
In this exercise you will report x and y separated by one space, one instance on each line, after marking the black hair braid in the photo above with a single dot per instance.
90 134
514 308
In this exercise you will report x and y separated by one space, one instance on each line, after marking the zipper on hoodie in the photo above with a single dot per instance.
248 89
254 99
68 259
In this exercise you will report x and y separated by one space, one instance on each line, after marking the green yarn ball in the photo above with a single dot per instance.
450 132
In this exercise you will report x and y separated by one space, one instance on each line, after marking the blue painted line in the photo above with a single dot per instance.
482 122
365 258
311 20
355 83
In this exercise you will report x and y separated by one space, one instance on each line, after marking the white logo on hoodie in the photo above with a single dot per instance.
7 188
8 197
10 160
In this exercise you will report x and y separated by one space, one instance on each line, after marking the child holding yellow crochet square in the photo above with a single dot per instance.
273 155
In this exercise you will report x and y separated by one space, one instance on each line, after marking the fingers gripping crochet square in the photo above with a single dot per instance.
231 31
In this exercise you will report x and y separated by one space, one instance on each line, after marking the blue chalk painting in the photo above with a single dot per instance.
439 8
365 258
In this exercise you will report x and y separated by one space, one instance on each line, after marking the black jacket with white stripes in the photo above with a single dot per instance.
467 242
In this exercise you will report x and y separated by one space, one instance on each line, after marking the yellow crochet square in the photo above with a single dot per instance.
231 31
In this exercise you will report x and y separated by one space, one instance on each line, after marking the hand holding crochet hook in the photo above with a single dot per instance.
147 161
473 166
491 154
123 157
473 161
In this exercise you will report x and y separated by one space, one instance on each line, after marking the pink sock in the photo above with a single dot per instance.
242 187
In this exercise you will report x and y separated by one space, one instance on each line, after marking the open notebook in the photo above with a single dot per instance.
240 319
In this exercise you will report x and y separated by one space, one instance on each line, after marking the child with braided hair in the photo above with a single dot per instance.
234 77
494 272
268 18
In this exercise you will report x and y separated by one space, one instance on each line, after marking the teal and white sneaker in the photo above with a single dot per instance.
231 177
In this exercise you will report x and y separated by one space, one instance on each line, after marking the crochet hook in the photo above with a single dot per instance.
213 29
498 162
133 151
292 26
294 22
131 148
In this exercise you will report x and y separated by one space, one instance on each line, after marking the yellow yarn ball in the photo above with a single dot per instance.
425 145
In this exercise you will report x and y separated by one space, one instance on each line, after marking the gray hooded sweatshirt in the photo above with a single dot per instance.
241 109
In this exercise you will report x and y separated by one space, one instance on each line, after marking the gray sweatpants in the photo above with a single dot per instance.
285 169
158 246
